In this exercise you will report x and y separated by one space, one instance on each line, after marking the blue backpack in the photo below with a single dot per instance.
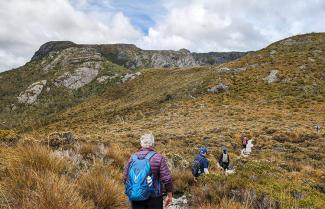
137 186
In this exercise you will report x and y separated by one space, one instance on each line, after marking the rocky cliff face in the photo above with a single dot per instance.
132 57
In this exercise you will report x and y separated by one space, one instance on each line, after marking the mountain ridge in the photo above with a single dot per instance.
131 56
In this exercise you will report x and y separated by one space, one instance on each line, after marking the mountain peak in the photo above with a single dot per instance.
51 46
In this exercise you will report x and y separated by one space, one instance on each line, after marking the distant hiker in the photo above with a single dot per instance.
317 128
200 164
224 159
244 142
143 176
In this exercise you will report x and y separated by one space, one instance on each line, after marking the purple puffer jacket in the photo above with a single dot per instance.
159 169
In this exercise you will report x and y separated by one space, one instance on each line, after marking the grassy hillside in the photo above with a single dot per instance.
285 170
62 74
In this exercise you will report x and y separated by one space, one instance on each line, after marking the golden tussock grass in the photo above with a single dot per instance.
54 192
226 203
119 155
100 186
33 177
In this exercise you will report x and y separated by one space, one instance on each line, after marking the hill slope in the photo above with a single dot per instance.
62 74
274 96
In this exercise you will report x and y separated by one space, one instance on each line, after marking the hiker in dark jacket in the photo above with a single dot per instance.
244 141
159 170
224 159
204 163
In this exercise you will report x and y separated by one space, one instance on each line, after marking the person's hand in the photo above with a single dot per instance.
168 199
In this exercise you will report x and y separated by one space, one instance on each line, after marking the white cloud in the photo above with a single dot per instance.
218 25
199 25
26 24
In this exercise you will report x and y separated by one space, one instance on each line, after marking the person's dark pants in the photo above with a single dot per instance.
224 165
244 146
151 203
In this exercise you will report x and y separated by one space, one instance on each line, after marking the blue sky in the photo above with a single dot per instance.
142 13
197 25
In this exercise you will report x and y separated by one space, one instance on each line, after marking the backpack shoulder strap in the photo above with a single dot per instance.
201 158
134 157
150 155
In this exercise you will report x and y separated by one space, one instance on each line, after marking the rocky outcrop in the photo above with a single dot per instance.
132 57
61 139
272 77
29 96
104 78
72 57
85 64
51 46
79 78
218 88
172 59
292 42
130 76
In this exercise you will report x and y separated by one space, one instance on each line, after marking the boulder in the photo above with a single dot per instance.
218 88
272 77
179 203
273 52
103 78
130 76
29 96
302 67
61 140
310 59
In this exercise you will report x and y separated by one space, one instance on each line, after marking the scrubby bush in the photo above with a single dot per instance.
8 137
226 203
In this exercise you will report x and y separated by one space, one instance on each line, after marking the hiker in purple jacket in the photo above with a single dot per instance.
160 172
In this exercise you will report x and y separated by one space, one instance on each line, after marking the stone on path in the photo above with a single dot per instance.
179 203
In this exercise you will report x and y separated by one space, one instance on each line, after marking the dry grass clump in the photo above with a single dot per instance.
226 203
32 177
100 186
87 151
22 166
54 192
118 155
3 198
182 180
33 157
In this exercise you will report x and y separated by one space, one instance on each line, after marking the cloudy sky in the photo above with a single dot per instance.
198 25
